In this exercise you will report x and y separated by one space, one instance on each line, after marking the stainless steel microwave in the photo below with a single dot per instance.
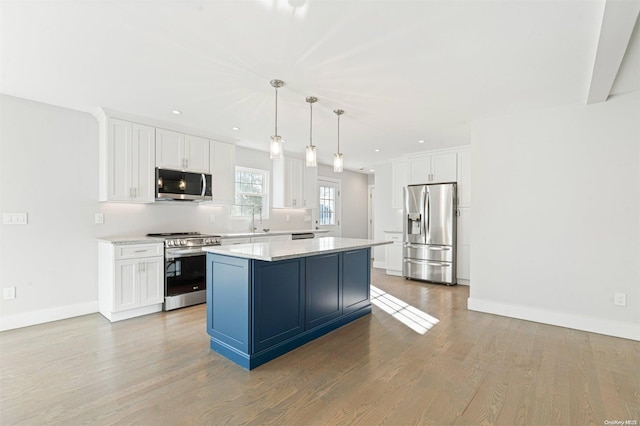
182 186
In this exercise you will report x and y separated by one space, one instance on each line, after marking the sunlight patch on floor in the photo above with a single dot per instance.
414 318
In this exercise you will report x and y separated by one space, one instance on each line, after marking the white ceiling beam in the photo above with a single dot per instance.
618 21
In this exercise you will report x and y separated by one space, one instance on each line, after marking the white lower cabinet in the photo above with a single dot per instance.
130 279
393 253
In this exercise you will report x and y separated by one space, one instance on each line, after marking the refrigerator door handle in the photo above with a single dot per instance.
439 248
427 218
426 262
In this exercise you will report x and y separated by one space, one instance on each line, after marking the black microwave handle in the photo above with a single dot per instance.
203 179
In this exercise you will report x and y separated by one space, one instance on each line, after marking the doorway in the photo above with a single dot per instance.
329 207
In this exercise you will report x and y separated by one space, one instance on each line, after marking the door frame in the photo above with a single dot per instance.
338 212
371 212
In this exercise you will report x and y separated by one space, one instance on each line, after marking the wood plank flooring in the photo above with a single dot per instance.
470 368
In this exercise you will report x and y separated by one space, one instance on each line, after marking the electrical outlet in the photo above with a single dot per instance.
212 218
620 299
307 218
9 293
288 218
99 218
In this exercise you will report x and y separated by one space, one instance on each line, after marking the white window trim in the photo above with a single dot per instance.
266 185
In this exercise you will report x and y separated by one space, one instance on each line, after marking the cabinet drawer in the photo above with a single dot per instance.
138 250
396 238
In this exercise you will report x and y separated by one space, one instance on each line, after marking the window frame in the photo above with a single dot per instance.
266 185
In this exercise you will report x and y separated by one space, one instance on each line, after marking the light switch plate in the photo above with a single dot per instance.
99 218
14 218
9 293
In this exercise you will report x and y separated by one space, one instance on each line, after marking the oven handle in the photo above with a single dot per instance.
185 253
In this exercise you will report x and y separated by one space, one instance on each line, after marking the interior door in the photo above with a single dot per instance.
329 214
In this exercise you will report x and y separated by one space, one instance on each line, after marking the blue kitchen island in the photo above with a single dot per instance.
265 299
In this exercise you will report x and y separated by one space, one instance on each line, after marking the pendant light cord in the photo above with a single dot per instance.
338 133
311 124
276 133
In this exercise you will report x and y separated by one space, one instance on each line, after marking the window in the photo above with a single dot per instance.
252 192
327 205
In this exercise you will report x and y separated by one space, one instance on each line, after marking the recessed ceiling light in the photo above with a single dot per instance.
377 149
236 128
420 141
176 112
371 170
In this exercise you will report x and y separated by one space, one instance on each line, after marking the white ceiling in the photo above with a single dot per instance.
402 70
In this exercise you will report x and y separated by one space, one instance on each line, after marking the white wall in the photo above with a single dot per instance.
354 200
556 221
49 169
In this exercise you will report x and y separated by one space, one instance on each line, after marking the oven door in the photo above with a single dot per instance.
185 277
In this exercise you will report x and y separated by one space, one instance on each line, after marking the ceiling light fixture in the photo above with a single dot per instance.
420 141
235 128
312 160
377 149
338 160
176 112
275 149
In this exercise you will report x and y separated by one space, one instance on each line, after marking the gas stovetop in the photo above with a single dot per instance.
187 239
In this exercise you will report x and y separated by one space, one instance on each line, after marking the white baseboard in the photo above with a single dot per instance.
595 325
379 264
463 281
394 272
47 315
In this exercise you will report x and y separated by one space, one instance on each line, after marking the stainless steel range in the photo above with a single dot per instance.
185 268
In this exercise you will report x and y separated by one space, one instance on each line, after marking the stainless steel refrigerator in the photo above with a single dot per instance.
429 247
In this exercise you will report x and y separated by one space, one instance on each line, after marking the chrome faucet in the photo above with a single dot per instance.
253 218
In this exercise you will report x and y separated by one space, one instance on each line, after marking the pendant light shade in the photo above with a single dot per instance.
311 154
338 160
275 148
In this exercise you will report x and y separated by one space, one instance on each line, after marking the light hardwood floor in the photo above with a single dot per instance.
470 368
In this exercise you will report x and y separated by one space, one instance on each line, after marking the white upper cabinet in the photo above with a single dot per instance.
288 183
436 168
127 156
464 178
399 179
178 151
222 158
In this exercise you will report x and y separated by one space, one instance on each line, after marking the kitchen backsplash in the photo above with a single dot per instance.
140 219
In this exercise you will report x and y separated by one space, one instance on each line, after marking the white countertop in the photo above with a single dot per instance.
271 232
131 240
282 250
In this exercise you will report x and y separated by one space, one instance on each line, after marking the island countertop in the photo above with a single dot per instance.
282 250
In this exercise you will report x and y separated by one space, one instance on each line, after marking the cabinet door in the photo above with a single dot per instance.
463 268
356 279
310 190
119 163
399 179
228 303
151 281
294 176
443 168
126 286
419 170
278 302
169 149
464 178
143 163
394 252
196 154
222 158
323 289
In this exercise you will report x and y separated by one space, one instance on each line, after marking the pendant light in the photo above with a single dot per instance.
275 149
338 161
312 158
